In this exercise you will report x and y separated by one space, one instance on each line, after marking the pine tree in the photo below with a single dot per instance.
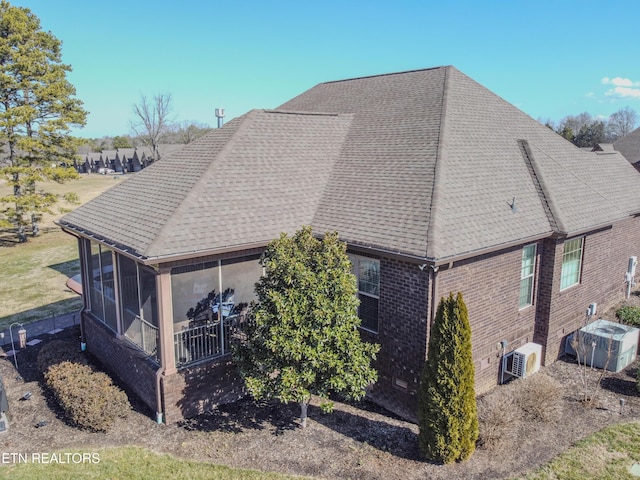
447 412
37 110
303 336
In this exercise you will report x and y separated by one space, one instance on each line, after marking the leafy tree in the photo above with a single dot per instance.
302 337
121 142
447 413
151 120
37 111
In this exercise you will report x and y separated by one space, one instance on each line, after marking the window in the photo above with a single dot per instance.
571 263
527 275
368 274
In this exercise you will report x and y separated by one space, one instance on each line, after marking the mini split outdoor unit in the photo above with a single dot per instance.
524 361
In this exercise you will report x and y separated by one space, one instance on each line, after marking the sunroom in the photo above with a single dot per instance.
174 313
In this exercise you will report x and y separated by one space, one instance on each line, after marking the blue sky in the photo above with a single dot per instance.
549 58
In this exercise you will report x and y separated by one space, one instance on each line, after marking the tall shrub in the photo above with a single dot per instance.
447 411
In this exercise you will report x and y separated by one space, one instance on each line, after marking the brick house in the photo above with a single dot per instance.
435 183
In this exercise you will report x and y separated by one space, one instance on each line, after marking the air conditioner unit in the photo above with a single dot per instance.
524 361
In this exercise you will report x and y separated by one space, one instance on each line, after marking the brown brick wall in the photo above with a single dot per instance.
132 366
200 388
490 286
401 334
606 254
186 393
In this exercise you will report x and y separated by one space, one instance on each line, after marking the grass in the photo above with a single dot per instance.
33 274
131 463
607 454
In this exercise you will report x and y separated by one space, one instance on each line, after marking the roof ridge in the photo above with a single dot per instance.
432 224
386 74
541 188
302 112
203 178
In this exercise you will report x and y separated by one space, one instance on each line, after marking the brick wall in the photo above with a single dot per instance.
186 393
490 286
200 388
402 320
122 359
606 254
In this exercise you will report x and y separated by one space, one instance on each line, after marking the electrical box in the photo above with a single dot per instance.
633 262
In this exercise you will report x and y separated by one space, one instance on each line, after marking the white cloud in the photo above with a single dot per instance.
620 82
623 92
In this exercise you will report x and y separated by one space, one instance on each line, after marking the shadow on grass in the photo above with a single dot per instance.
60 307
69 268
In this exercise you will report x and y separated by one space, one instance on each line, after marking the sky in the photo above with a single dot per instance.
548 58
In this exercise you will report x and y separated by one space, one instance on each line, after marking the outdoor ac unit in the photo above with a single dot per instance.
525 360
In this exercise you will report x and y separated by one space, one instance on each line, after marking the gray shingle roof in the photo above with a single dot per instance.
424 163
243 184
629 146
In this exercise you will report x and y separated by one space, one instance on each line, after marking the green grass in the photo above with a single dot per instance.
131 463
605 455
33 274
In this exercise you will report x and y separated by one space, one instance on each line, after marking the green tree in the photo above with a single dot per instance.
302 337
37 111
447 412
121 142
590 135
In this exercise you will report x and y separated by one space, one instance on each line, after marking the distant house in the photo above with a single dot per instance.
629 147
122 160
436 184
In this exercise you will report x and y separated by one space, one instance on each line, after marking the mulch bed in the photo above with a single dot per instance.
356 441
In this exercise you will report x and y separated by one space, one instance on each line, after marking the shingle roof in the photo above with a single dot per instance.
629 146
425 163
243 184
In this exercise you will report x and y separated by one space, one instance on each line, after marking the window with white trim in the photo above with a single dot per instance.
571 263
527 272
367 271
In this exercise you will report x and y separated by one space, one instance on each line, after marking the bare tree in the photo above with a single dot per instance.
622 122
152 120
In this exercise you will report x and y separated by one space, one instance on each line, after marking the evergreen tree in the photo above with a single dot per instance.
302 337
37 109
447 412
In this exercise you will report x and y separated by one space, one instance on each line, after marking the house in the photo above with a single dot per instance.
436 184
629 147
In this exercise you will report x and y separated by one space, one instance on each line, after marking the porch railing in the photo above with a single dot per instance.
208 340
144 335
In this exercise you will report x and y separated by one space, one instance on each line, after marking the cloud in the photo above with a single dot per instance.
620 82
623 92
621 88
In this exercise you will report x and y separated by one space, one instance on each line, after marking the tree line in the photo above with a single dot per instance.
586 131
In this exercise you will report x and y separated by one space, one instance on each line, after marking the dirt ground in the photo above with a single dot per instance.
356 441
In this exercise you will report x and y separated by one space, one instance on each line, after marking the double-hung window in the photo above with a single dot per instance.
527 275
368 273
571 263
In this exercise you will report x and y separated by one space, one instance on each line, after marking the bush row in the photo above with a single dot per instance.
88 397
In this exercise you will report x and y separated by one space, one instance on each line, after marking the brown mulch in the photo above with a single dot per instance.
356 441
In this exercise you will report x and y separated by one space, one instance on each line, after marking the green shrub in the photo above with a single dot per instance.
629 315
89 398
447 410
58 351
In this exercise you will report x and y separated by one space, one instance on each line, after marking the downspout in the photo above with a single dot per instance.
432 313
159 413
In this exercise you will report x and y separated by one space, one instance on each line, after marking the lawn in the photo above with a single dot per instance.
131 463
609 453
33 274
